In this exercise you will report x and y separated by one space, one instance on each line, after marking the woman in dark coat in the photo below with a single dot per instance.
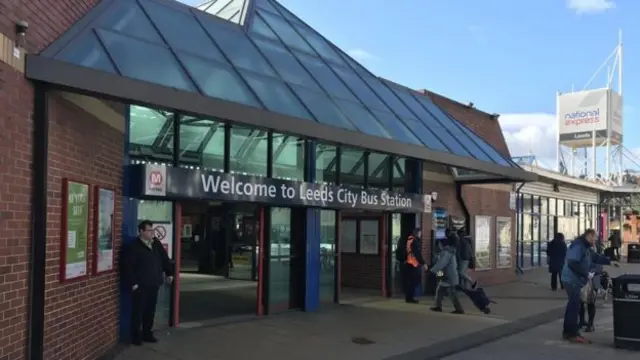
556 251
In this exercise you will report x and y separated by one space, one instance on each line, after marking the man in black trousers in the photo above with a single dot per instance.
145 261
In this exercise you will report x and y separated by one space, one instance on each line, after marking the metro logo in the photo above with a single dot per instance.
155 178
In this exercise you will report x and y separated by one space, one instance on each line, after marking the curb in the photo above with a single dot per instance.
463 343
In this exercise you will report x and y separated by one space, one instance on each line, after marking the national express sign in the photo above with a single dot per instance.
585 113
180 183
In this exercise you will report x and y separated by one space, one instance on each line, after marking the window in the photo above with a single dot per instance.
326 164
369 237
349 243
482 242
503 242
288 157
248 151
327 254
378 176
527 203
552 206
352 167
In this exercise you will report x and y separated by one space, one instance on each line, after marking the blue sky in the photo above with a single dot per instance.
507 57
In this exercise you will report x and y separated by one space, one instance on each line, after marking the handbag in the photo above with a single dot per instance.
588 293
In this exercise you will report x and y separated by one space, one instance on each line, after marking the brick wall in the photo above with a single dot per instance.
81 320
16 99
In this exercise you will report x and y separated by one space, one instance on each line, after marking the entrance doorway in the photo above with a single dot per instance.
218 260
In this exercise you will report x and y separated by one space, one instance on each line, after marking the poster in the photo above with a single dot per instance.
164 234
104 222
482 242
503 242
76 230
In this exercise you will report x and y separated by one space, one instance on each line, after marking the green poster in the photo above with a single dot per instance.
77 224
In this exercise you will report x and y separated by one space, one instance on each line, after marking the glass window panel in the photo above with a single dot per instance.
544 205
288 157
213 153
349 229
397 129
396 236
258 26
389 97
503 242
218 80
362 119
358 86
248 151
485 146
286 32
351 167
326 163
182 31
536 204
369 237
552 206
143 61
279 266
322 47
276 96
128 18
378 174
286 13
285 64
425 135
87 52
145 124
327 255
323 108
560 207
193 132
527 203
237 47
398 174
327 79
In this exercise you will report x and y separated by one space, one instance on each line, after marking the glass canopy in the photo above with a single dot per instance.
273 62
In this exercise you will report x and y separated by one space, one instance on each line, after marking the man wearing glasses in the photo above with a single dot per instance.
145 262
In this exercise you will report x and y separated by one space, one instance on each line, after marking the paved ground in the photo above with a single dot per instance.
388 329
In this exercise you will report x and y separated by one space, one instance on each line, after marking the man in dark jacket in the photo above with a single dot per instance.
145 261
409 254
615 242
556 251
465 256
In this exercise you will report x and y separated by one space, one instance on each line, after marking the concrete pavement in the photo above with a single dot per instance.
375 328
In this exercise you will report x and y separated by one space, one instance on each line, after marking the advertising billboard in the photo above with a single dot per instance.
585 113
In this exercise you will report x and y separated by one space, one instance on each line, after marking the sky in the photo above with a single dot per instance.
507 57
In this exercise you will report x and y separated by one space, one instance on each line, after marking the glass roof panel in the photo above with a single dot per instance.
327 79
388 97
398 130
144 61
258 26
284 12
321 45
425 135
323 108
237 47
486 147
193 132
127 17
182 31
218 80
286 32
285 64
275 95
266 5
88 52
362 118
449 124
358 86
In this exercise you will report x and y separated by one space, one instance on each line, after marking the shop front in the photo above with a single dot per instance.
305 227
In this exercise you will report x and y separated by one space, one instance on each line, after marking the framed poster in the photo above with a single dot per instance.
482 239
74 238
503 242
103 229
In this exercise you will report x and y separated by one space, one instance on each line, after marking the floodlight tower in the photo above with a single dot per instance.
590 126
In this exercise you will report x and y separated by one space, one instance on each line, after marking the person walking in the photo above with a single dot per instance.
145 262
409 254
465 256
446 270
556 251
576 273
615 242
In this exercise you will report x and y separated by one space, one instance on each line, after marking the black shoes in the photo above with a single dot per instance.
150 339
411 301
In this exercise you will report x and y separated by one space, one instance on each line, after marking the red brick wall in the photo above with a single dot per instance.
16 99
81 320
486 200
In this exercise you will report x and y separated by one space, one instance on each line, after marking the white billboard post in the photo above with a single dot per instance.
590 125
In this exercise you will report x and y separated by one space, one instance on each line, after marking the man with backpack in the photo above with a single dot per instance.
465 256
409 255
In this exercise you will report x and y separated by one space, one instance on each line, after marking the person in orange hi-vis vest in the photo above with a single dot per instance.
409 254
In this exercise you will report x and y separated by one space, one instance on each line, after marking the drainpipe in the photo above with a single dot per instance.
35 342
465 209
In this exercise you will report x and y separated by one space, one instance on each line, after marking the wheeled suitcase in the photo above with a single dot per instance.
479 299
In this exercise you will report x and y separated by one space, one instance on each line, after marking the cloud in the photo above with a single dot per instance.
590 6
362 56
533 133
